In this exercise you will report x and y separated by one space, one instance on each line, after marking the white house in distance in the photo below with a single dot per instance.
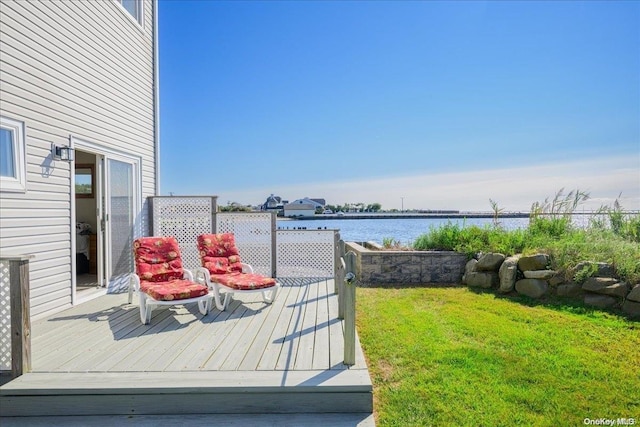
78 140
303 207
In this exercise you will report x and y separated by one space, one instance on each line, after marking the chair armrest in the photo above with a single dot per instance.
246 268
202 276
187 275
134 285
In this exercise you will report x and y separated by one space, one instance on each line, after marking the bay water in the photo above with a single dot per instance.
404 230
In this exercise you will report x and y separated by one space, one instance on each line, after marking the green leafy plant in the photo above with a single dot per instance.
389 242
496 212
587 270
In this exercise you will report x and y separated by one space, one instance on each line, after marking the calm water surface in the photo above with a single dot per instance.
405 230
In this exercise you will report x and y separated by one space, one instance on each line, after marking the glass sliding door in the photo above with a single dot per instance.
121 206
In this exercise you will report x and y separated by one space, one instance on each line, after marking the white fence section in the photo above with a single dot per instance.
253 232
183 218
5 316
281 253
305 253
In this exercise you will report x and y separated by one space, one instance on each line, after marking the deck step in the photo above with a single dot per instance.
228 420
209 392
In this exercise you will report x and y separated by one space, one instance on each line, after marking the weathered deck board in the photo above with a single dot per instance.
197 353
275 342
289 340
321 358
305 337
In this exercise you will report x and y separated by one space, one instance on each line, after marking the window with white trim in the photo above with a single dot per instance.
134 7
12 155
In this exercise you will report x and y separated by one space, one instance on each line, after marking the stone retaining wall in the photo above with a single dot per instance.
376 267
532 276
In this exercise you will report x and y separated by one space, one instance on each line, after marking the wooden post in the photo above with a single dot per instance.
340 279
20 316
350 309
337 255
274 245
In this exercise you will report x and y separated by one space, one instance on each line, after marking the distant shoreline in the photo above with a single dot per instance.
409 215
405 215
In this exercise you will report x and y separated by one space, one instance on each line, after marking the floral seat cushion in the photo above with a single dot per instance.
173 289
244 281
157 259
159 267
219 255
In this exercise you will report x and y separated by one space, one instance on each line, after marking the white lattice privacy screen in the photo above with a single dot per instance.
305 253
254 237
285 253
5 317
183 218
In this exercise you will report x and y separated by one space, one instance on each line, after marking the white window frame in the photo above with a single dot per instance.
19 182
140 6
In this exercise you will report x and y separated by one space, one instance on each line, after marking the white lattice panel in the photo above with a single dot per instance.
305 253
5 317
253 232
183 218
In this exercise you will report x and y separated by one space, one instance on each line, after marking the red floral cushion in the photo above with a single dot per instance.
157 259
219 254
173 289
244 281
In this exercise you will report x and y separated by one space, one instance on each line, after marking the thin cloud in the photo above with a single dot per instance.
514 189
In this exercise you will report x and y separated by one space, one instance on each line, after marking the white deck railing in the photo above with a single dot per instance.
15 322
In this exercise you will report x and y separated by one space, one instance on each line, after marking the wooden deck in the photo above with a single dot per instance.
293 347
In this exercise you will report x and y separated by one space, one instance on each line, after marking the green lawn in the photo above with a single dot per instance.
453 356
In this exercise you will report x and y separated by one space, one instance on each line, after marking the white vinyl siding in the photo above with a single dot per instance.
70 69
12 166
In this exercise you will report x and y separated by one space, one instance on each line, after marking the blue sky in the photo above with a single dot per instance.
442 104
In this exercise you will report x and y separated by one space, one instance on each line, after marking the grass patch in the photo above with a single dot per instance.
450 356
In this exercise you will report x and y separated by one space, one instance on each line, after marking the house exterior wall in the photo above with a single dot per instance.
294 209
82 69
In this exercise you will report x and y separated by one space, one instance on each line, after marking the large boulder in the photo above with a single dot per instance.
569 290
533 262
557 280
634 295
507 274
601 269
539 274
490 262
481 279
600 301
469 267
534 288
632 308
606 286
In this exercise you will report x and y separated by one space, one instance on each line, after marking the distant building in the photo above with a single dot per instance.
303 207
299 209
273 203
316 203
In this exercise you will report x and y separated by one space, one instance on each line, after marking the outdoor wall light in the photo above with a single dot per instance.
62 153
